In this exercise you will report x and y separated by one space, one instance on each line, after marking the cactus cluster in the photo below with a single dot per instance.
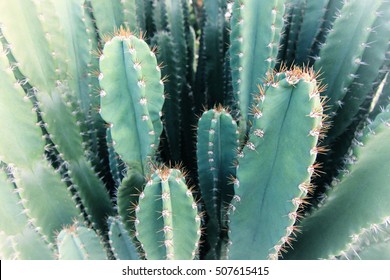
177 129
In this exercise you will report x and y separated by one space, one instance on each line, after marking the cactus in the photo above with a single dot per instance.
130 78
79 243
120 242
255 37
167 225
337 236
165 129
216 152
289 97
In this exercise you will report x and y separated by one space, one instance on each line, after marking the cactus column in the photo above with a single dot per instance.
275 166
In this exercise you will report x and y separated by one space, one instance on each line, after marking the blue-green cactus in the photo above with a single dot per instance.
167 223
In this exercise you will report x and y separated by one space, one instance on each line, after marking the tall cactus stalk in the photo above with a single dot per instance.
275 198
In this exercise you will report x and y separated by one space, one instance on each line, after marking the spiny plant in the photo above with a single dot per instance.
177 129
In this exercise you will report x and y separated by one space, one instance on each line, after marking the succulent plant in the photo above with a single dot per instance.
177 129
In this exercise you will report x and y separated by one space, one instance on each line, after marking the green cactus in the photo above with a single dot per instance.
130 79
168 225
255 38
283 182
209 84
120 242
217 146
23 151
79 243
310 27
370 153
360 16
110 110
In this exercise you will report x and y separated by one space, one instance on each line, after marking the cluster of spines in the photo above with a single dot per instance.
365 240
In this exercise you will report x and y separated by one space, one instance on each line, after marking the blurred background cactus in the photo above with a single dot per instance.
178 129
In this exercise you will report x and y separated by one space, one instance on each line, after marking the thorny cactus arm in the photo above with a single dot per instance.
255 36
276 165
357 201
217 146
168 224
131 98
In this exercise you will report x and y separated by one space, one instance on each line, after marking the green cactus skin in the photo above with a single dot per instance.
127 200
275 166
160 20
23 151
130 15
342 54
67 23
13 219
79 243
230 98
172 15
216 153
295 10
49 22
26 245
58 115
171 111
168 225
120 241
332 10
21 15
256 27
109 15
132 98
144 14
336 223
18 238
51 101
192 54
114 161
371 62
213 47
71 31
310 27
